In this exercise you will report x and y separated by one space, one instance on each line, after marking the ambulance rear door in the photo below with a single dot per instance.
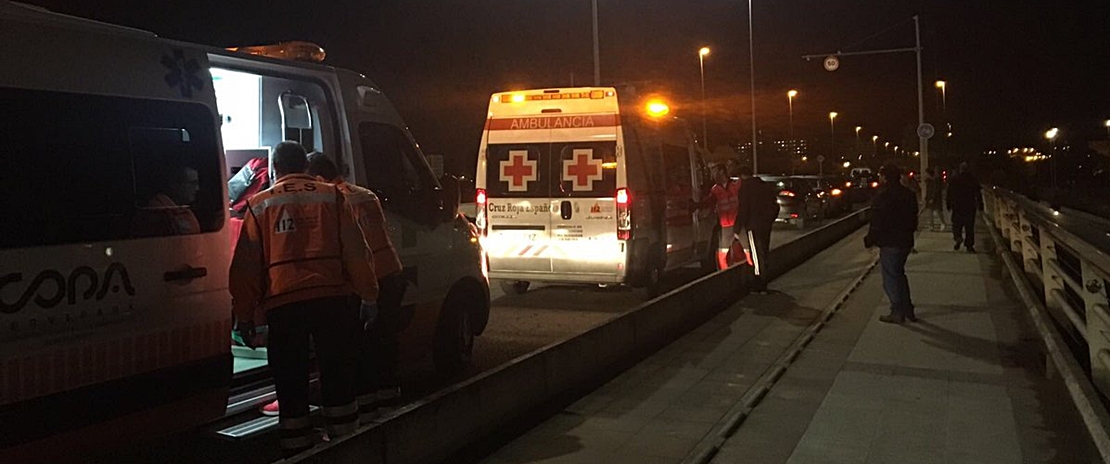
519 184
585 164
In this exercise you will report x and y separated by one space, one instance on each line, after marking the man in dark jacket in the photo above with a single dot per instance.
964 197
758 210
893 223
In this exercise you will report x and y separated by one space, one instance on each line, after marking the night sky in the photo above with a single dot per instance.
1014 68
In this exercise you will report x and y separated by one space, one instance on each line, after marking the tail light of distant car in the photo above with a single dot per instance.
786 193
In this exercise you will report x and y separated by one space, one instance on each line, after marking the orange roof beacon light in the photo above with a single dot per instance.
294 50
657 108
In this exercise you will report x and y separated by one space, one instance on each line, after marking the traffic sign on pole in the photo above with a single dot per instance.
926 131
832 63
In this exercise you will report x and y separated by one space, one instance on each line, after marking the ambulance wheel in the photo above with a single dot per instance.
454 338
653 280
515 287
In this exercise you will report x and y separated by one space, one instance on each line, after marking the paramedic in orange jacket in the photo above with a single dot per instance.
299 258
377 384
724 197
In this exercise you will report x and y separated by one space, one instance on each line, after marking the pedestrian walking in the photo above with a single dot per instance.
723 196
299 257
377 383
934 199
759 207
893 223
964 198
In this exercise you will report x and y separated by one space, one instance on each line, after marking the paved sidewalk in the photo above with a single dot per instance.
964 385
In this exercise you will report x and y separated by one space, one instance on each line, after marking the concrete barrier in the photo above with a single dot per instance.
437 427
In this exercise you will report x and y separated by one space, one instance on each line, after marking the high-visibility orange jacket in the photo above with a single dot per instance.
300 241
371 218
726 200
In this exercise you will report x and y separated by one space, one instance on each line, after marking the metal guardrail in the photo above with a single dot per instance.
1068 257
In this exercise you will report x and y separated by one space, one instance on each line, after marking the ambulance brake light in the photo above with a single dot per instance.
480 214
624 215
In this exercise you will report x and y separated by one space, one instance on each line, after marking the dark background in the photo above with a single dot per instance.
1014 68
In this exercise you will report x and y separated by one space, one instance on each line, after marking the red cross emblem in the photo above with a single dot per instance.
518 170
582 170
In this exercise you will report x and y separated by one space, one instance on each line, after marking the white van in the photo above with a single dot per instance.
115 321
585 185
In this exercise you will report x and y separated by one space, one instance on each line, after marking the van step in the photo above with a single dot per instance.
254 426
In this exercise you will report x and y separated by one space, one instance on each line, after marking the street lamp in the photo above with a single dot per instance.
1051 136
874 146
701 64
1107 124
943 95
858 128
832 131
790 94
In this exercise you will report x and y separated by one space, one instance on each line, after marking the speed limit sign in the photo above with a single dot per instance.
832 63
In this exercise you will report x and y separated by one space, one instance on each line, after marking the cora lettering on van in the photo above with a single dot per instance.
50 288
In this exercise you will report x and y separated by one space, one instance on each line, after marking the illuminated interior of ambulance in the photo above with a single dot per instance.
256 113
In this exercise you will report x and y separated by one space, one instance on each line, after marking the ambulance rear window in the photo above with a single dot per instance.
552 170
85 168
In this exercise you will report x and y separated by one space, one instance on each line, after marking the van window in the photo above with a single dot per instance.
85 168
546 170
393 167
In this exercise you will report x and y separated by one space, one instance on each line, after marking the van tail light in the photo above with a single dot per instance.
624 215
874 184
480 214
786 193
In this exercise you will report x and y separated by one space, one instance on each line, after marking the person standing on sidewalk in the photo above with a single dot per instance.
723 195
759 207
893 224
964 198
299 258
934 199
377 383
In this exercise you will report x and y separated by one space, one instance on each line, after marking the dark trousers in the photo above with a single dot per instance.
895 283
334 330
963 227
378 348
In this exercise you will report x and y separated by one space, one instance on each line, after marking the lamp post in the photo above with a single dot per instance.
597 51
858 128
704 129
943 96
832 132
874 146
1051 136
790 94
1107 124
751 65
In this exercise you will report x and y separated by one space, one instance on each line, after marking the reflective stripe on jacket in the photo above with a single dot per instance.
300 241
371 218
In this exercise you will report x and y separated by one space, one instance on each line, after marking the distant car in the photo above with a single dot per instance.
863 187
797 198
833 192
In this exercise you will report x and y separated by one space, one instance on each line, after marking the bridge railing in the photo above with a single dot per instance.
1067 257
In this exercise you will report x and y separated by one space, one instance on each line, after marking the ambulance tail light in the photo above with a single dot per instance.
480 214
624 215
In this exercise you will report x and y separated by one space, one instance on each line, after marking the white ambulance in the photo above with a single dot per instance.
588 185
115 318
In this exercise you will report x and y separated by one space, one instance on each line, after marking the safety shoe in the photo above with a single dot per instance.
959 242
270 409
893 318
971 249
